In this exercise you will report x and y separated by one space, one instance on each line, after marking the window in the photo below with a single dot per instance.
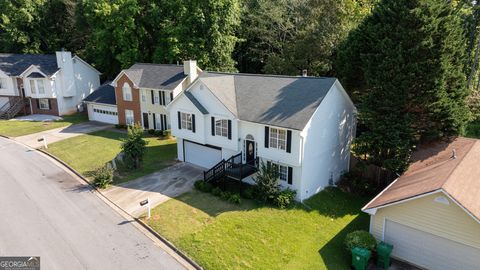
158 121
283 172
32 86
43 104
278 138
156 97
40 87
127 92
144 98
3 83
221 127
186 121
129 117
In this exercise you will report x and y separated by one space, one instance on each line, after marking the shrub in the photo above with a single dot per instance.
248 193
216 191
103 176
167 134
203 186
225 195
361 239
151 131
267 182
285 198
134 147
158 133
118 126
234 198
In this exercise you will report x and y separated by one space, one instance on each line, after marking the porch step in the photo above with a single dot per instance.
12 108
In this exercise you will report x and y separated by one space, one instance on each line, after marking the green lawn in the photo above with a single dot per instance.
87 152
219 235
20 128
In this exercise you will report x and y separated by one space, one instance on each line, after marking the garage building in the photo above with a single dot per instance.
102 106
431 213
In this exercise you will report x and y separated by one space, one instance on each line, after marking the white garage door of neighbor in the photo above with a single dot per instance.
428 250
201 155
104 114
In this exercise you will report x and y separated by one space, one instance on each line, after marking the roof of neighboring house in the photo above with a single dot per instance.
16 64
284 101
156 76
104 94
434 168
35 75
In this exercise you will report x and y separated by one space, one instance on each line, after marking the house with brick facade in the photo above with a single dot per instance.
143 91
54 84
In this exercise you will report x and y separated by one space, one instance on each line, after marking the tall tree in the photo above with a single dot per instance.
405 66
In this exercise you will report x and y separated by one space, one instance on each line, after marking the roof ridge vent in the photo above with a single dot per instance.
454 154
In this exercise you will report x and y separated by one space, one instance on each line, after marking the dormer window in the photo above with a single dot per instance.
37 86
127 92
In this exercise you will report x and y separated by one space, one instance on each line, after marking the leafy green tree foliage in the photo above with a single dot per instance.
404 66
288 36
134 147
267 182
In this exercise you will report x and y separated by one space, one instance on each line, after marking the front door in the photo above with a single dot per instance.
145 121
250 152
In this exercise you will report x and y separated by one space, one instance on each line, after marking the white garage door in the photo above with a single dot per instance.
201 155
428 250
104 114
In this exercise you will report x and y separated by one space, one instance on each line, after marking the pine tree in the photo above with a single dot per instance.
404 66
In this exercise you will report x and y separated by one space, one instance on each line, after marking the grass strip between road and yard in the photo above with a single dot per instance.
88 152
15 128
221 235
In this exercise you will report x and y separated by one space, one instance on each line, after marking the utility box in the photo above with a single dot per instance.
383 255
360 258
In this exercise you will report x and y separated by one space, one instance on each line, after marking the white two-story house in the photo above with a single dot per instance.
304 125
52 84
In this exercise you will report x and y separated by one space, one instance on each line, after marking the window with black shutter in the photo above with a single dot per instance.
290 174
179 121
153 96
267 136
289 141
193 123
229 129
213 126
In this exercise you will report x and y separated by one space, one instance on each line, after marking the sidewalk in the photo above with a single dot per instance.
59 134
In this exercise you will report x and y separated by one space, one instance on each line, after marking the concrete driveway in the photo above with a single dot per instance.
59 134
157 187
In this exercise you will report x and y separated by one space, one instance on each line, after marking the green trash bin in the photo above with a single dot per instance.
360 257
383 255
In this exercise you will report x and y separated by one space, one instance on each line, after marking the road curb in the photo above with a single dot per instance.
139 221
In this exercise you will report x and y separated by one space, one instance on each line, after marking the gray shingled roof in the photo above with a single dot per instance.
104 94
156 76
35 75
196 103
16 64
282 101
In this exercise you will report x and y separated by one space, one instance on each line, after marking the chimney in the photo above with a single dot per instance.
190 69
454 154
65 63
304 73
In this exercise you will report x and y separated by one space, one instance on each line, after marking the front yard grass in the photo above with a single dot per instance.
220 235
87 152
20 128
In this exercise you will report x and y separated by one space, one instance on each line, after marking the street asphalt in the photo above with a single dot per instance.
46 212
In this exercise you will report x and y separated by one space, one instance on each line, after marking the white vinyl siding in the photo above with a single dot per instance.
278 138
3 83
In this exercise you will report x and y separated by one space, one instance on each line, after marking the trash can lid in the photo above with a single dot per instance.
384 246
361 251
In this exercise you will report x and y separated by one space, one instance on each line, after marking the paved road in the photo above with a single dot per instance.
46 212
59 134
158 187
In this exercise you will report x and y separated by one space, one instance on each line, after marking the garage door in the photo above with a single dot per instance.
428 250
201 155
104 114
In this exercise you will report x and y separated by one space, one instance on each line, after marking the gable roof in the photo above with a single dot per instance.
196 103
16 64
104 94
433 169
283 101
155 76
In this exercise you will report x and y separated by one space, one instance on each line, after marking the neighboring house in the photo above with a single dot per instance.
144 90
44 84
102 105
431 213
231 122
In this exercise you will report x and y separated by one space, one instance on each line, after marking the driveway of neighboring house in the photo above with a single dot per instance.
59 134
157 187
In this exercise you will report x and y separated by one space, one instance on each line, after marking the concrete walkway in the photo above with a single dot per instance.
59 134
157 187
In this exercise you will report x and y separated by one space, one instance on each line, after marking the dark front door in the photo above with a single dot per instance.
250 152
145 121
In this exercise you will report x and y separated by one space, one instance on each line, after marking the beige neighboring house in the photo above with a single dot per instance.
431 214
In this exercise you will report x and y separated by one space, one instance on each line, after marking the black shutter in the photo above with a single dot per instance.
154 121
213 126
193 123
163 98
179 121
289 141
229 129
49 104
290 172
171 96
164 125
153 97
267 137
